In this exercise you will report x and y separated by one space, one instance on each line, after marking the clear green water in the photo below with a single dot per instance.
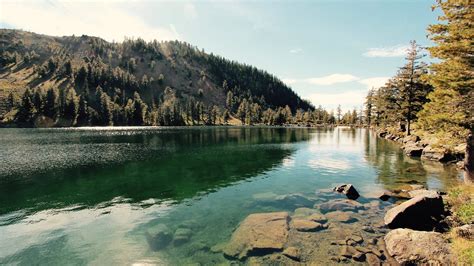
87 196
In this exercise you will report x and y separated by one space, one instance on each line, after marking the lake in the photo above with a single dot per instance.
90 195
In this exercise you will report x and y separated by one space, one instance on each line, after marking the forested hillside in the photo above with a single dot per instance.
82 81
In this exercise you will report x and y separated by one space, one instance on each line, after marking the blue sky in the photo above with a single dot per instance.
329 52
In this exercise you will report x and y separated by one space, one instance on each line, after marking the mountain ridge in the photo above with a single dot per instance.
157 71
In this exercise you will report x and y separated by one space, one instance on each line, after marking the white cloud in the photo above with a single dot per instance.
347 99
102 19
375 82
296 51
392 51
326 80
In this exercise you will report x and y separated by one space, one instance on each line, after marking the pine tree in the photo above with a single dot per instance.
71 107
26 110
83 116
52 103
454 48
411 88
369 102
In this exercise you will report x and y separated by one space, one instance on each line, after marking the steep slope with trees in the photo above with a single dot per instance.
81 81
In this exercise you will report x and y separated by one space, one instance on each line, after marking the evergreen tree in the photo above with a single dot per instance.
412 89
71 107
51 108
454 48
27 110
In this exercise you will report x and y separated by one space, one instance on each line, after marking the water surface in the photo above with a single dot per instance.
89 195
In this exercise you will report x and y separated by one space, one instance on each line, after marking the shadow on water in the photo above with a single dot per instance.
135 165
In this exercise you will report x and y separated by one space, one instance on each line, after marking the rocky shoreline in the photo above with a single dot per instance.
414 146
340 227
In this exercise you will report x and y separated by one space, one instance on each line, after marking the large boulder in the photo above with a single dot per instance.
340 205
413 149
409 247
437 154
420 212
259 234
348 190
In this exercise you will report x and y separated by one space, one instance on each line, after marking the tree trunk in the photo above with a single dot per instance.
469 159
408 127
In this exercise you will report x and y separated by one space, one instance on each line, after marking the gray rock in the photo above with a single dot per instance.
348 190
296 200
340 205
259 234
342 217
424 193
355 238
304 212
304 225
181 236
318 217
419 213
408 246
411 138
372 260
413 149
436 154
466 231
158 237
292 253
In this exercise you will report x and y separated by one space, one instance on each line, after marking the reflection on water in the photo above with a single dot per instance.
89 196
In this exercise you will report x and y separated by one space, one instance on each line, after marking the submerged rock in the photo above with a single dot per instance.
158 237
258 234
265 196
310 214
340 205
318 217
304 212
296 200
181 236
419 212
348 190
304 225
342 217
292 253
408 246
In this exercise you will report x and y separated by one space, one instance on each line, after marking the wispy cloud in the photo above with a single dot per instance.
103 19
325 80
375 82
296 51
347 99
392 51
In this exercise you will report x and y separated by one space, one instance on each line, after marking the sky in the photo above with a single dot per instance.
329 52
